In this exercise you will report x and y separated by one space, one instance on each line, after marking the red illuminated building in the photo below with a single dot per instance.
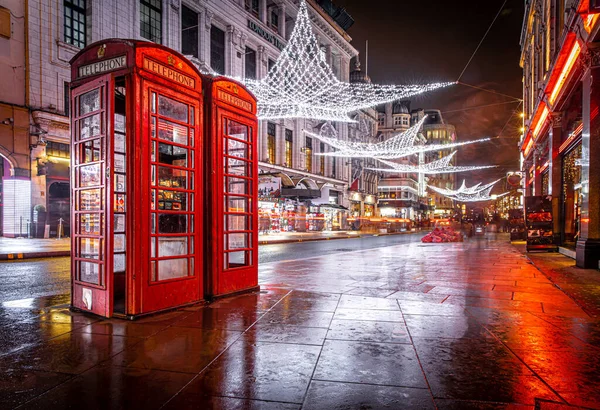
561 141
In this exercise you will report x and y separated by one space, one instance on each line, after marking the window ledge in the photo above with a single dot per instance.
66 51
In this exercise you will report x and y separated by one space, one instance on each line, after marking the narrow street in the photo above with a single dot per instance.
408 325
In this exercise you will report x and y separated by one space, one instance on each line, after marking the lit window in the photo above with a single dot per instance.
289 141
56 149
74 22
308 154
271 143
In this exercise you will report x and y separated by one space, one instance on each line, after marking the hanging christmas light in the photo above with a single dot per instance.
303 85
477 193
400 145
440 166
464 190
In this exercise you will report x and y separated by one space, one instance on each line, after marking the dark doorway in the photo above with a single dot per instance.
59 208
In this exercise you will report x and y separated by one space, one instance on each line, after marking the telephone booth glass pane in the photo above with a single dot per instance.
172 186
89 185
237 181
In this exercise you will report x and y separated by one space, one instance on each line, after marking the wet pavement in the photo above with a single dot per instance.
31 278
470 325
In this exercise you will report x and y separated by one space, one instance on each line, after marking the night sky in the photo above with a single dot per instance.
432 40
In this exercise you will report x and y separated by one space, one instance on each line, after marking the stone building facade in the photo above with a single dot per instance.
561 141
239 38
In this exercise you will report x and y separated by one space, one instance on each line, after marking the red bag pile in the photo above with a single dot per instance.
442 235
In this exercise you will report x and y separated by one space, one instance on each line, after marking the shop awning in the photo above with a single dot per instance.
334 206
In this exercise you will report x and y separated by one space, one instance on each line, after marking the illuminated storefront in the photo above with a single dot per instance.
561 138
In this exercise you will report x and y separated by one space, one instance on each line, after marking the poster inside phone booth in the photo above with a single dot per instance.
539 224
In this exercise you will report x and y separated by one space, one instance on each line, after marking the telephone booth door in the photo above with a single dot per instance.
173 135
234 145
90 167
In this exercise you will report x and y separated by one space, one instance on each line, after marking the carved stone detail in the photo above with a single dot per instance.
208 19
591 57
556 119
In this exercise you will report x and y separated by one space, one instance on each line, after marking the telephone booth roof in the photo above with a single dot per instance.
123 55
234 87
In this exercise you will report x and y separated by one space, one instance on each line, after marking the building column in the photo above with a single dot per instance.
262 10
588 245
537 176
280 131
204 34
282 19
555 174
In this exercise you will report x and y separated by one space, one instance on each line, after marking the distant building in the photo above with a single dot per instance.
399 194
15 164
403 195
437 131
362 192
561 140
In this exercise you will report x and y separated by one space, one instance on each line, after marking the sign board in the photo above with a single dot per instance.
539 225
103 66
233 100
269 187
270 37
169 73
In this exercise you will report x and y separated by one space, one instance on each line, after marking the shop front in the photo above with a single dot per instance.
571 196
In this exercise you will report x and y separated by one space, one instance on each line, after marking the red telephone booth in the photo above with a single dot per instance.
137 179
232 150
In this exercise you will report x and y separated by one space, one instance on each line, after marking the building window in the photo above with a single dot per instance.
151 20
322 163
397 120
74 22
274 20
252 6
189 31
405 121
333 167
308 154
381 121
217 49
67 98
271 64
56 149
289 144
250 64
271 143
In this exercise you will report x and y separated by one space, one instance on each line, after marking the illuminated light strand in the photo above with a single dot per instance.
477 193
303 85
399 146
541 122
564 74
475 189
440 166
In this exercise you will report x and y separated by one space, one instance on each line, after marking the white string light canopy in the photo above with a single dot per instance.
439 166
303 85
398 146
477 193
